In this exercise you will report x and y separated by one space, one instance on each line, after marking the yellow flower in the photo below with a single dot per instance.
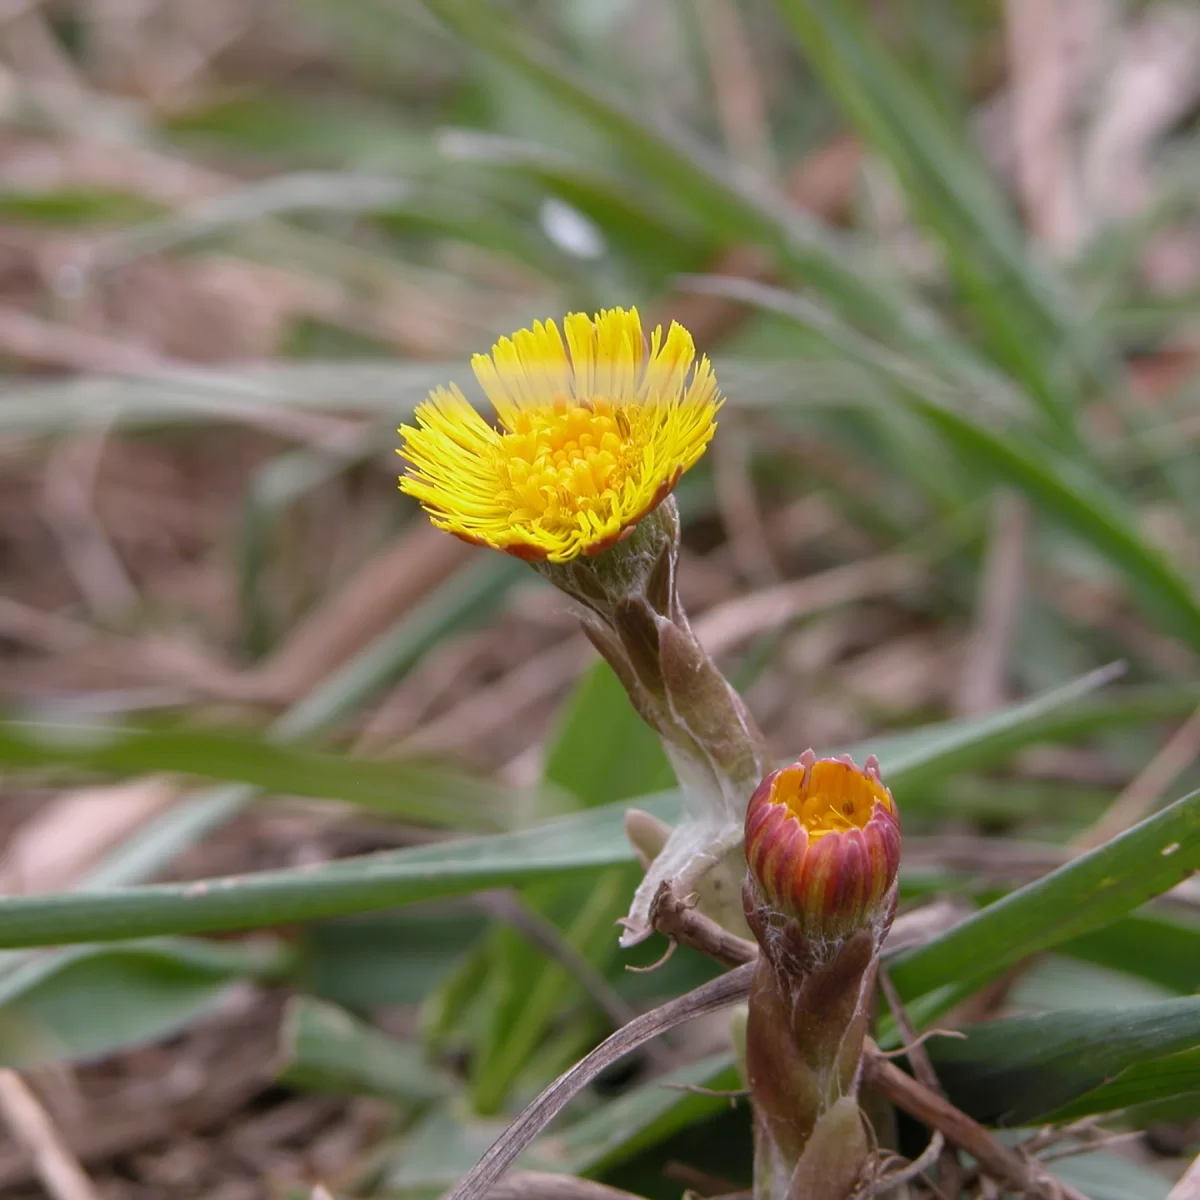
592 436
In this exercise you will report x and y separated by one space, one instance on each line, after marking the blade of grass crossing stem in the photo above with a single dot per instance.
1146 861
530 990
586 840
642 1117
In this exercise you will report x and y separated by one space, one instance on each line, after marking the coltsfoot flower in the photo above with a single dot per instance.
823 852
594 431
823 844
593 428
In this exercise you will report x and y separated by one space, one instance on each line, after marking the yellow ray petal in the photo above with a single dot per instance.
596 426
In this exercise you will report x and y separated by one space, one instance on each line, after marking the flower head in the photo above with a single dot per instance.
594 432
823 843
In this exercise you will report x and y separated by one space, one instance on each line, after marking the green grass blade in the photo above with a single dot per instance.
1016 1071
1147 860
949 189
409 791
733 205
325 1049
557 848
591 839
1073 497
1062 487
602 752
87 1002
1158 1079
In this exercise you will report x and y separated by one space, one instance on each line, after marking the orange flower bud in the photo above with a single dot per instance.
823 845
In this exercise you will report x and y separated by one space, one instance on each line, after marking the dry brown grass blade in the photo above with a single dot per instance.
1180 751
1188 1187
98 1135
65 836
709 998
736 622
388 585
57 1168
995 1159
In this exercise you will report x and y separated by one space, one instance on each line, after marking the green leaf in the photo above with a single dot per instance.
1055 981
586 840
912 758
735 206
438 1151
1150 945
1176 1076
325 1049
88 1002
466 597
1103 1176
1061 714
642 1117
1066 489
602 751
1086 894
75 206
410 791
1024 314
561 847
1072 496
1014 1072
388 958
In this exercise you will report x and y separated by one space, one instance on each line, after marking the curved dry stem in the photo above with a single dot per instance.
710 997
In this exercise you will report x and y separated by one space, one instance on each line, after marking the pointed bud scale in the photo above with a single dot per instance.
823 847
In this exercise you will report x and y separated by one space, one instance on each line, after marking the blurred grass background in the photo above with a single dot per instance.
946 256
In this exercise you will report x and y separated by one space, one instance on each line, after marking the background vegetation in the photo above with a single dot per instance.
946 255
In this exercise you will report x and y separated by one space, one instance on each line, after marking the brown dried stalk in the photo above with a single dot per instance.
710 997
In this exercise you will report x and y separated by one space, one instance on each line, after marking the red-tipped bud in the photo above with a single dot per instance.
823 846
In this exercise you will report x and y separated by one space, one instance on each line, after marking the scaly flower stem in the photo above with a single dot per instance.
633 616
822 851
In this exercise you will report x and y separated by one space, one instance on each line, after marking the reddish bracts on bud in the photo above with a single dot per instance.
823 851
823 846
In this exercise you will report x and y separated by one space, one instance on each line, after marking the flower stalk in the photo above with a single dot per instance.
595 427
632 614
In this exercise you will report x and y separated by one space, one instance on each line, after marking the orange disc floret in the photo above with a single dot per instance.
823 842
